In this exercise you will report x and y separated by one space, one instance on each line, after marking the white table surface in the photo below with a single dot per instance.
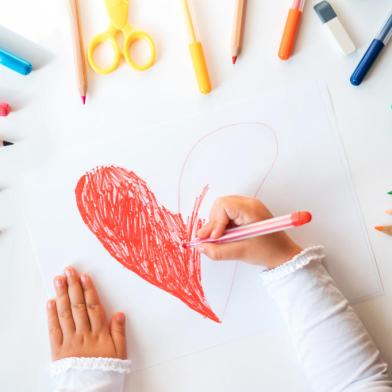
257 362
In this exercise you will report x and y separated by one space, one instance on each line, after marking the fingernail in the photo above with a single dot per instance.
214 234
69 272
200 249
59 281
84 279
120 317
50 304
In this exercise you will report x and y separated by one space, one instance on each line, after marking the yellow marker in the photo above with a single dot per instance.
118 14
197 54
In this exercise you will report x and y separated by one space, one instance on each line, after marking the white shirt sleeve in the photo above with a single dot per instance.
89 374
333 345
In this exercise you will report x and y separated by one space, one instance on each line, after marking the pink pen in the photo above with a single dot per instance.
264 227
291 29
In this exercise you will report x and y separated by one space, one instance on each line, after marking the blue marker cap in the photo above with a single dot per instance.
15 63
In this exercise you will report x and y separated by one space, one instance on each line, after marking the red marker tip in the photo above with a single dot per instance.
234 59
84 99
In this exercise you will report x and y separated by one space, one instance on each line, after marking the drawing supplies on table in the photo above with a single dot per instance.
118 16
384 229
238 29
196 51
5 109
14 62
5 143
374 50
80 64
264 227
332 23
291 29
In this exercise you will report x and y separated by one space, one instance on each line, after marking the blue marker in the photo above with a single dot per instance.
372 53
15 63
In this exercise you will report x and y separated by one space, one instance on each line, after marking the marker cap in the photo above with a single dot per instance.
200 66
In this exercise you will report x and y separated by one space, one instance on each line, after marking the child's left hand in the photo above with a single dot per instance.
78 326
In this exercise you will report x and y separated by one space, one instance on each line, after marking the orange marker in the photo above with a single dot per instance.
291 29
384 229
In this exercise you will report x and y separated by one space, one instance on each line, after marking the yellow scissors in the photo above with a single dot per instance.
118 14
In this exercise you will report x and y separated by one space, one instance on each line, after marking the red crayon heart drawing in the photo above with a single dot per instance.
144 236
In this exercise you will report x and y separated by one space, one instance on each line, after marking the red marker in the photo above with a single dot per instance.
264 227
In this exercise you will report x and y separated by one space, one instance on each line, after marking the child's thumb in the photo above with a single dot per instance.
229 251
117 330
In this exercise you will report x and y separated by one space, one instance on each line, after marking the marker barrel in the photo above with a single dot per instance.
290 33
200 67
386 32
367 61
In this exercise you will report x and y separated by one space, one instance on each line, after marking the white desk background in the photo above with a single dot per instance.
167 93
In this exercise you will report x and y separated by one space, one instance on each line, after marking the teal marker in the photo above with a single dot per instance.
15 63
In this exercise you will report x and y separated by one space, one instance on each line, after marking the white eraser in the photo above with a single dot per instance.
332 23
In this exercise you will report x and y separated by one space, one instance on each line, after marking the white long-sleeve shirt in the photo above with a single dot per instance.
333 346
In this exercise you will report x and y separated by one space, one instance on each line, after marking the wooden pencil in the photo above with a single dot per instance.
238 29
384 229
80 62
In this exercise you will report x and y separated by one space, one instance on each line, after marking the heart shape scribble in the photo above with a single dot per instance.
143 235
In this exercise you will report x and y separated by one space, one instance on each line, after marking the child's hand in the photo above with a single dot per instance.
269 250
77 322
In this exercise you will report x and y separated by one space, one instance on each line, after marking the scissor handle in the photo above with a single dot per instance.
130 39
108 36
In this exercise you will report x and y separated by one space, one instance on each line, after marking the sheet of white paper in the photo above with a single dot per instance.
286 142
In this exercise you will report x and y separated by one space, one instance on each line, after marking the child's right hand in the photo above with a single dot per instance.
270 250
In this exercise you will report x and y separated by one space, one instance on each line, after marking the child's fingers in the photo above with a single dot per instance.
229 251
205 231
117 331
63 305
78 304
95 311
218 219
55 333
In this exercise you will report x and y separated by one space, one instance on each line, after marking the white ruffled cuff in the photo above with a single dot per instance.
103 364
314 253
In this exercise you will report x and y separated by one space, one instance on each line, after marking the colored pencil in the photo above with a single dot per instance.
238 29
384 229
264 227
80 62
4 143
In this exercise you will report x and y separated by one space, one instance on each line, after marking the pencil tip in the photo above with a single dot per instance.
5 143
234 59
84 99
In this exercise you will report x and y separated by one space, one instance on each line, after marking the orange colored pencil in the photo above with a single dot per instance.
238 29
